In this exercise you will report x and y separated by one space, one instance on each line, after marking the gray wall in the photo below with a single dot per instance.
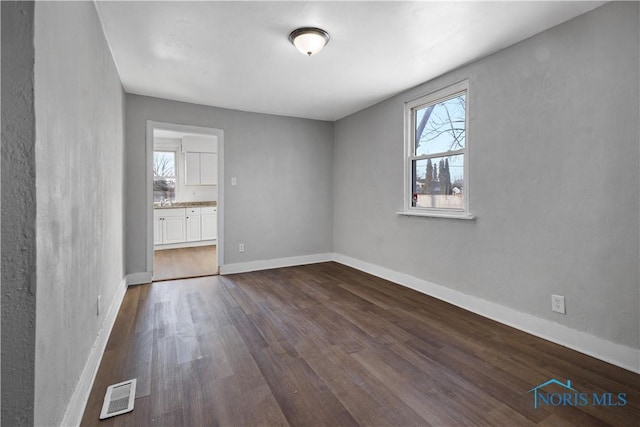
554 176
79 106
18 214
282 205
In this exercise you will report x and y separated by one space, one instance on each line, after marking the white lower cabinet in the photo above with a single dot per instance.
173 230
169 226
194 229
157 230
180 225
209 216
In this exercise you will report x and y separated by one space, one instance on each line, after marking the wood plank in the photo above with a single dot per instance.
408 391
138 361
302 396
166 388
367 399
243 398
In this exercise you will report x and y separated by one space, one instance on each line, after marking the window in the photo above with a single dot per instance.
436 154
164 176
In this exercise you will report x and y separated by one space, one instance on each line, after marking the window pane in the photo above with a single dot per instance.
164 164
164 176
439 182
164 189
440 127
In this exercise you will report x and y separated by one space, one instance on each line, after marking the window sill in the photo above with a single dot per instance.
449 215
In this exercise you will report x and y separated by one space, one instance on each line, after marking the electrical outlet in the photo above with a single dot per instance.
234 181
557 303
98 305
241 247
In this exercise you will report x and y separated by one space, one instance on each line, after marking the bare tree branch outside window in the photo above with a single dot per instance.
164 176
448 120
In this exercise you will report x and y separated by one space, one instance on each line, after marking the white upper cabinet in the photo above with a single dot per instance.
201 169
208 169
192 169
201 160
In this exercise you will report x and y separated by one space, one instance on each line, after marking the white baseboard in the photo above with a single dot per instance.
139 278
245 267
616 354
78 402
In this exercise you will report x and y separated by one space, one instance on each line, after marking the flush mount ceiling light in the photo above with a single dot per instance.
309 40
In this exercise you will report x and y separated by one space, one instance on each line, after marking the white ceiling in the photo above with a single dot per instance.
236 54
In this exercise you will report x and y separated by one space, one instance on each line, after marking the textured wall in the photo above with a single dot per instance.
554 168
79 105
282 205
18 214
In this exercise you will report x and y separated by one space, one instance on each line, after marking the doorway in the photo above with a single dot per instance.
185 203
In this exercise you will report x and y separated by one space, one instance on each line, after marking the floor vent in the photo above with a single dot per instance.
119 399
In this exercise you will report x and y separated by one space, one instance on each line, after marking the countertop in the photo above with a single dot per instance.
156 205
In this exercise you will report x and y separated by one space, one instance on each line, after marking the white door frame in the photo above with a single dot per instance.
151 125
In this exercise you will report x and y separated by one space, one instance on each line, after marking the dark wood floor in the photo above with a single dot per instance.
182 263
327 345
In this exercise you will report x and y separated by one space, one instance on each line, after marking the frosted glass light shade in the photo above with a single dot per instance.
309 40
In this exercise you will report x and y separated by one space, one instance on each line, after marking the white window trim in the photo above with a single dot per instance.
409 126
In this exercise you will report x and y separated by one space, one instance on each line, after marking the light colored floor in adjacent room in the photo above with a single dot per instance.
184 263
